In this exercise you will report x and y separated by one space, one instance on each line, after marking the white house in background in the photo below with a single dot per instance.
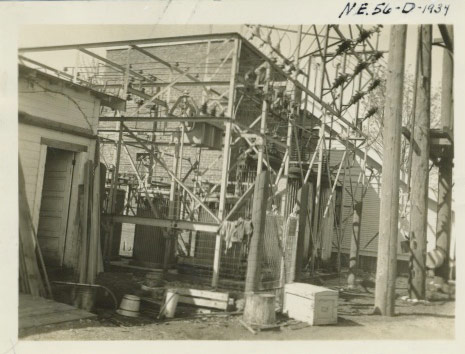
370 212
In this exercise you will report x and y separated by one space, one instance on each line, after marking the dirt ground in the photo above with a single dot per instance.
434 319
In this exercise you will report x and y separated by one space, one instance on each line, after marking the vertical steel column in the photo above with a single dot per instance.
316 209
172 204
226 156
117 159
285 208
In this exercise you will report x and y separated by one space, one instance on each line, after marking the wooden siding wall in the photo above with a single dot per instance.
77 107
56 107
370 213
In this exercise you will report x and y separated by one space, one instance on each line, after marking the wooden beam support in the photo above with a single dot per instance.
26 118
448 36
420 168
444 212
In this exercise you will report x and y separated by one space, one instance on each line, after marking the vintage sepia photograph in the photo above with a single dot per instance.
236 182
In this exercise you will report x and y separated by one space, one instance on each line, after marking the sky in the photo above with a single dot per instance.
43 35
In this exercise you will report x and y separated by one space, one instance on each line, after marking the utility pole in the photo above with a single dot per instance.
263 119
260 197
444 216
389 207
420 167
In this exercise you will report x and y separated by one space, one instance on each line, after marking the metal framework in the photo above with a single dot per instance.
316 85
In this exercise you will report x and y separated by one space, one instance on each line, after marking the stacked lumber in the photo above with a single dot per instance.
31 280
203 298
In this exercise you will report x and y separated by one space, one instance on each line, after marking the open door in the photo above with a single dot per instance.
54 207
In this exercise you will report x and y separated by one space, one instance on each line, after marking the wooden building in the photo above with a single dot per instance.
57 134
347 185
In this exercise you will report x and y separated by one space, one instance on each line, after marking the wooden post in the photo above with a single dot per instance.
83 213
386 270
94 239
420 168
304 225
355 242
28 258
226 156
263 120
260 197
444 212
260 309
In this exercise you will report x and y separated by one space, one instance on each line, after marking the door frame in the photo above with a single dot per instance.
78 150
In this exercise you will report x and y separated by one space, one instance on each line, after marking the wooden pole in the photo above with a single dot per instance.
444 213
420 168
26 240
389 206
260 309
263 120
226 156
94 238
84 225
260 198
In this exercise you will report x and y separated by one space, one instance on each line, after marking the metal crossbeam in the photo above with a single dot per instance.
164 223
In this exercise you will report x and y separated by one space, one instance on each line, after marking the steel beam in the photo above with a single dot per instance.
165 223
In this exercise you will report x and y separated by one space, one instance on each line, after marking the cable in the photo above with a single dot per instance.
46 89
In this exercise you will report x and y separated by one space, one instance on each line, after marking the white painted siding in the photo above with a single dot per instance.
75 107
370 215
61 108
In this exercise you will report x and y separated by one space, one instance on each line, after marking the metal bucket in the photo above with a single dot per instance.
129 306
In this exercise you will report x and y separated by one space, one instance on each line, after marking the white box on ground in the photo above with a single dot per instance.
312 304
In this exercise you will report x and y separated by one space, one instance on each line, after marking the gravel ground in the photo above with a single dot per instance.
434 319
